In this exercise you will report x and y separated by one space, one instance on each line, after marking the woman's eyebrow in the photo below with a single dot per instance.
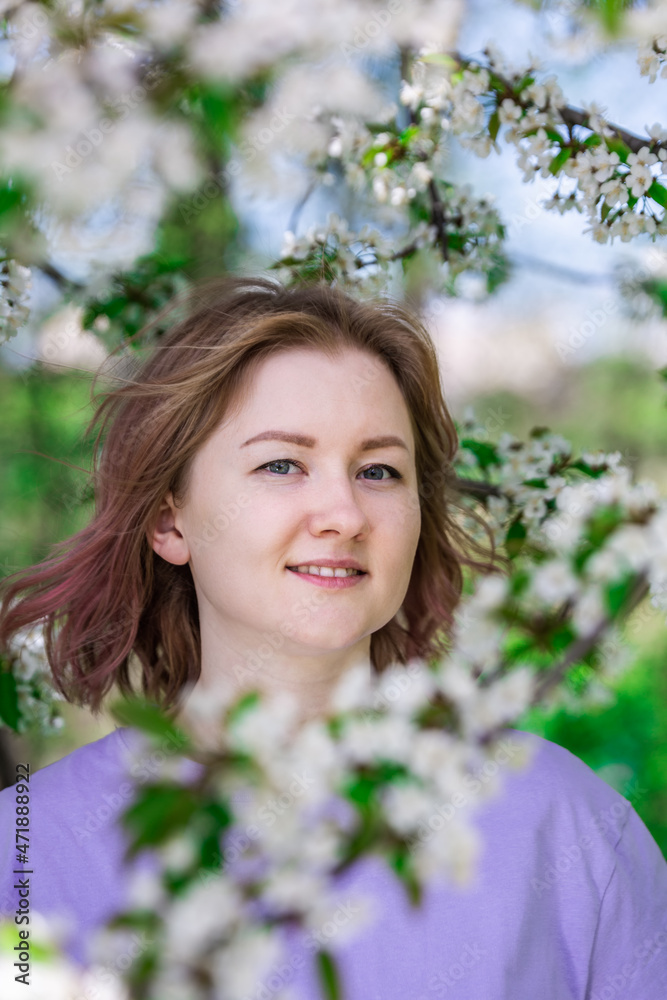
370 444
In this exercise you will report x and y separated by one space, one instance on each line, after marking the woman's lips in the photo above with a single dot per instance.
331 582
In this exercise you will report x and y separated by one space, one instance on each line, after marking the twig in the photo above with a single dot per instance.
438 218
477 488
575 116
580 647
298 208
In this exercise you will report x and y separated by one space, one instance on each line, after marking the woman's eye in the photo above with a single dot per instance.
393 474
278 461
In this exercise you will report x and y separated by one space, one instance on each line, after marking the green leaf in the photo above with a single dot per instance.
401 863
362 786
159 812
519 581
602 523
440 58
659 193
611 14
560 639
9 702
515 538
485 454
328 975
618 593
10 197
143 715
560 159
657 290
616 145
494 125
500 269
456 241
41 952
588 470
245 703
538 484
523 83
408 134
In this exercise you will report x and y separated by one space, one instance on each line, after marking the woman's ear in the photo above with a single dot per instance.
166 539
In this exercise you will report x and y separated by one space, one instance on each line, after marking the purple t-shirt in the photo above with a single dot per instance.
569 903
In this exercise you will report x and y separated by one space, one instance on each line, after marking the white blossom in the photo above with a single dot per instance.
203 913
406 806
371 739
286 890
240 967
588 611
353 690
554 582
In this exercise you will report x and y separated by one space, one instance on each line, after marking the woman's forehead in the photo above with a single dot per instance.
305 381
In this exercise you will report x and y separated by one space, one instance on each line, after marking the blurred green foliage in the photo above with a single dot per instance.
43 497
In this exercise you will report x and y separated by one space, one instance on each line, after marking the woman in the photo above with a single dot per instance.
272 438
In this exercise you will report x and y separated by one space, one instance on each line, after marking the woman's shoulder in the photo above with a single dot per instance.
544 778
105 754
122 757
566 819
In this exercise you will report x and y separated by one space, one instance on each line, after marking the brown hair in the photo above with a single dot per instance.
105 588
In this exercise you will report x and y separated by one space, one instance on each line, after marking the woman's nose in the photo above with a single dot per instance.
335 506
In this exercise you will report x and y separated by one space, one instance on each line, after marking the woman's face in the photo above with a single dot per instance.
259 504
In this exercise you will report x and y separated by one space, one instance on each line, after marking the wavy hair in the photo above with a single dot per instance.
104 596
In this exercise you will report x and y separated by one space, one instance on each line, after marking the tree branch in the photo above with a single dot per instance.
575 116
477 488
298 208
580 647
438 217
571 115
577 650
7 761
